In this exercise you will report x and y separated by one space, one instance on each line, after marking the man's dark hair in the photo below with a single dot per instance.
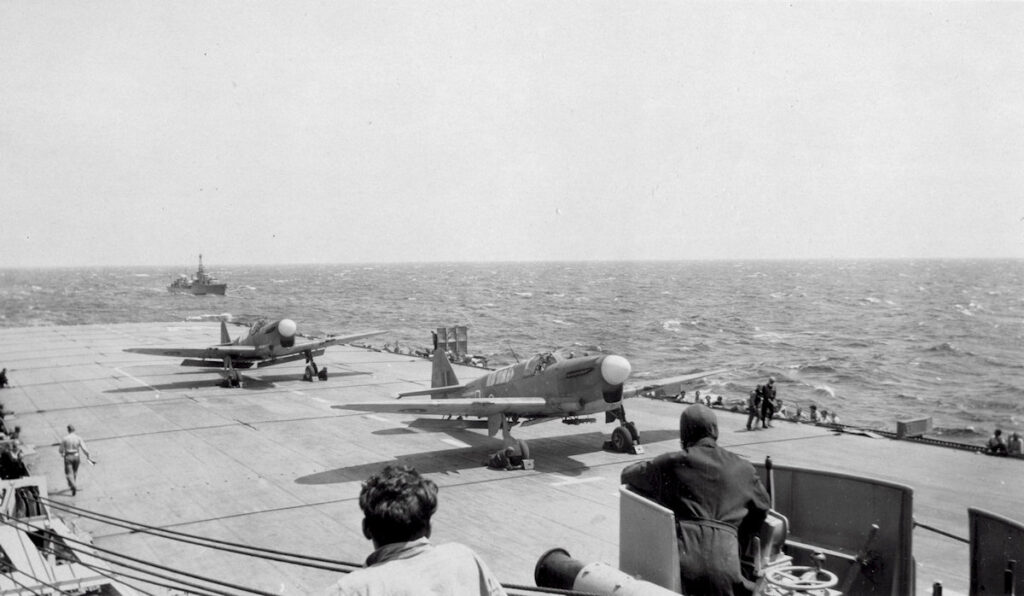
397 504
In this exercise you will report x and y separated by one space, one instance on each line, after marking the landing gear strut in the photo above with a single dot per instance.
625 437
232 378
312 370
514 454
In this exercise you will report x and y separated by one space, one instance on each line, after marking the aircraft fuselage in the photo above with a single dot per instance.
571 386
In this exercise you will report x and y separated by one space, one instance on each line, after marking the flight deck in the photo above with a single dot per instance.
272 464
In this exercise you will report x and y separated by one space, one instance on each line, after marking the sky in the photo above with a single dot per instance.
145 133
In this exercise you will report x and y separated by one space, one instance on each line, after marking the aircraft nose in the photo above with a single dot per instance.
615 369
286 328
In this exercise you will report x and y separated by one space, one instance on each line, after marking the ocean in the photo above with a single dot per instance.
874 341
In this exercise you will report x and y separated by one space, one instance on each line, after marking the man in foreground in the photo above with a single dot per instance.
718 500
397 505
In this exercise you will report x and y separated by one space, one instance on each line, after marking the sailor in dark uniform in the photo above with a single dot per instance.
767 402
718 500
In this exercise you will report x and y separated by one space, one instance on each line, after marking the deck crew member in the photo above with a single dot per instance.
1015 446
3 379
996 445
718 500
397 505
11 465
767 402
754 407
72 447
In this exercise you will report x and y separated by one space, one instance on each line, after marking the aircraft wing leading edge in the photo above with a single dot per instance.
434 390
344 339
462 406
652 385
212 352
249 351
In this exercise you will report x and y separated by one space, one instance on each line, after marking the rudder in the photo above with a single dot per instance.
442 374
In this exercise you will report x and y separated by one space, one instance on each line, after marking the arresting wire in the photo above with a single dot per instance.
68 539
32 590
10 575
106 572
253 551
231 546
178 584
120 580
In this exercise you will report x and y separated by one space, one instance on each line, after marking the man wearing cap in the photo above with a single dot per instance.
718 500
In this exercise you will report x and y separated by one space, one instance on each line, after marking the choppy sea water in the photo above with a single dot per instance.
875 341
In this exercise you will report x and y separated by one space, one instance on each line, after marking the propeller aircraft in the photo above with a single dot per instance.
265 344
548 386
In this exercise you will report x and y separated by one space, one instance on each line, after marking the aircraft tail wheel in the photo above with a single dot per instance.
621 439
322 375
796 579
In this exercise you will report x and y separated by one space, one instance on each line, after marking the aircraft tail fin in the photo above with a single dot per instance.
224 337
443 375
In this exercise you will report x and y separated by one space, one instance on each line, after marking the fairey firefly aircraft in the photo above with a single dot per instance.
548 386
264 345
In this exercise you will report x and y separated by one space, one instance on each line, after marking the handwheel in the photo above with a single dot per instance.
800 578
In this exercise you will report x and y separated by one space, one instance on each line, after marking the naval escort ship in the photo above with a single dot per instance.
199 284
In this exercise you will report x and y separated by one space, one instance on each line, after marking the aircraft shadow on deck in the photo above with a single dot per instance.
551 455
259 383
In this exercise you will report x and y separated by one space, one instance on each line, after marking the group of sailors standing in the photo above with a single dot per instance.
761 405
764 405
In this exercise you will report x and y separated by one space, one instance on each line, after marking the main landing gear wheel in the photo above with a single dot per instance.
622 439
633 432
797 579
322 375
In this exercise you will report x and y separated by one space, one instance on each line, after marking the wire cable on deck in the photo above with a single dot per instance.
333 565
120 580
107 573
918 524
189 587
10 576
12 571
242 549
67 540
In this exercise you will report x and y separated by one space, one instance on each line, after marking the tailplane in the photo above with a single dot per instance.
443 375
224 337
